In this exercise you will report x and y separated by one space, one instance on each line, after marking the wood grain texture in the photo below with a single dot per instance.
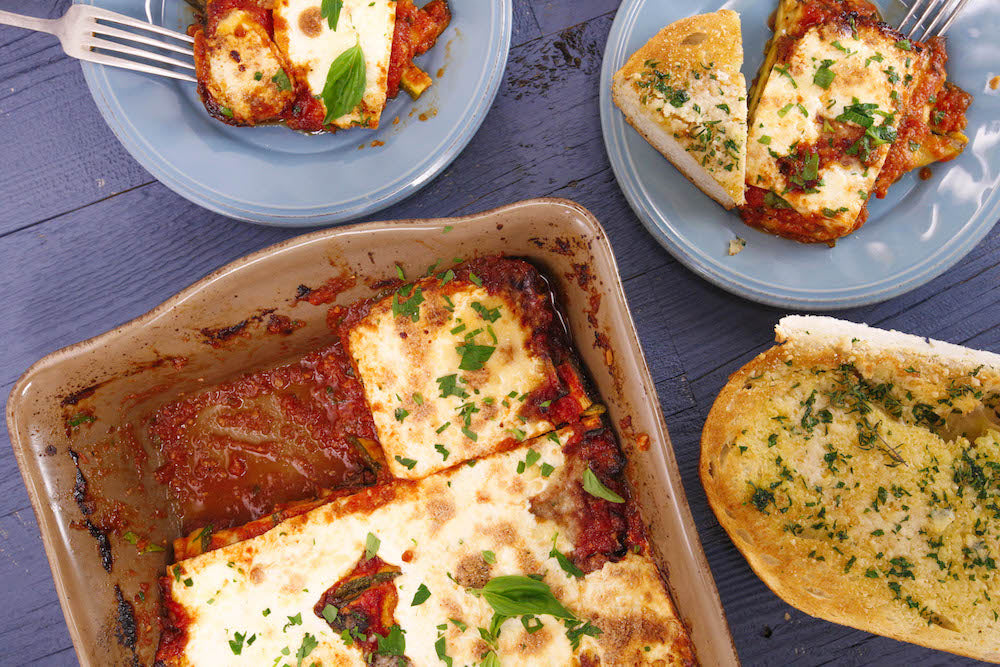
79 256
57 154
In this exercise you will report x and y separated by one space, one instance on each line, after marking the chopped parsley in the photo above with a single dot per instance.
411 306
281 80
593 486
407 463
448 384
239 641
783 71
488 314
372 544
421 596
473 355
393 643
330 613
824 76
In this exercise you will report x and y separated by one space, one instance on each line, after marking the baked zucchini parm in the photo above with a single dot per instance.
475 565
463 361
842 107
493 523
316 66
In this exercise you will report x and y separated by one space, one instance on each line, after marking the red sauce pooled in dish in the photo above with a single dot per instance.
235 451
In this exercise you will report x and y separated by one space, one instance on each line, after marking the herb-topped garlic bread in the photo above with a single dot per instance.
684 93
858 470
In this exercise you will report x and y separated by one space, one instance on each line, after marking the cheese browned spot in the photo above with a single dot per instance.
218 596
237 66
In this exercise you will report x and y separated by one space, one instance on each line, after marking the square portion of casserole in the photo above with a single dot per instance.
462 363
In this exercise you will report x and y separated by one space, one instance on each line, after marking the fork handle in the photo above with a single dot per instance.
29 22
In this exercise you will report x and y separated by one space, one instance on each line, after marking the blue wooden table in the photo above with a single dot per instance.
89 240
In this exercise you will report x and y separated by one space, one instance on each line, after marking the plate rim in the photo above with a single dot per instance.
613 128
452 144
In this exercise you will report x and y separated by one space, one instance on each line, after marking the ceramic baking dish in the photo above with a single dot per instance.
123 376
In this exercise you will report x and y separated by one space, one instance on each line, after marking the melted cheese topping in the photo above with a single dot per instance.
406 367
869 68
242 60
311 46
443 524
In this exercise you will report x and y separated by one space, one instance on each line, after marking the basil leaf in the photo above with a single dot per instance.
393 643
593 486
516 595
372 544
565 563
345 84
421 596
490 660
330 10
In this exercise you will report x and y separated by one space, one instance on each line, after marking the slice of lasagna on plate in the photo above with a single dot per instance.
843 106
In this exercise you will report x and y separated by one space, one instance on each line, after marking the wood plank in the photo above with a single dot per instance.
31 622
58 154
525 26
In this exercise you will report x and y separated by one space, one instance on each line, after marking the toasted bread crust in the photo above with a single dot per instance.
686 55
846 585
722 43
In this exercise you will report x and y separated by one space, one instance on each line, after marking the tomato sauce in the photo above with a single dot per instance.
788 222
216 10
416 31
365 601
604 525
948 113
235 451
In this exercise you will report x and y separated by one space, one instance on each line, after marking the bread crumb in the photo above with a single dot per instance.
788 616
736 246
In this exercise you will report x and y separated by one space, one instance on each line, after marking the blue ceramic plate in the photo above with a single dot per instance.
915 234
274 176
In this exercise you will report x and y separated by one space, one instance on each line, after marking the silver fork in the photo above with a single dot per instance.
935 15
82 31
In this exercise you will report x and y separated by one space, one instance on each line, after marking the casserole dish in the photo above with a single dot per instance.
224 325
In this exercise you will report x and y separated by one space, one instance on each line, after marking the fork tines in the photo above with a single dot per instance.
934 16
102 24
